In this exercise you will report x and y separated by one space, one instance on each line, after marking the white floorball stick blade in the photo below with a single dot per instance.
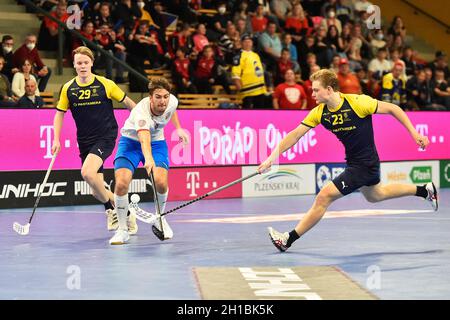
22 230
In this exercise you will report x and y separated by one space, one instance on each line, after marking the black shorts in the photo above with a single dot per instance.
355 177
102 148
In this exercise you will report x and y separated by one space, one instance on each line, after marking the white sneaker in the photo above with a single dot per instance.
112 221
120 237
164 234
279 239
132 224
432 195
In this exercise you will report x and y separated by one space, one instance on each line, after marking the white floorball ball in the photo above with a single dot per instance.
135 198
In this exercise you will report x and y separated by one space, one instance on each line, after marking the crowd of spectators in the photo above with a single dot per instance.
266 50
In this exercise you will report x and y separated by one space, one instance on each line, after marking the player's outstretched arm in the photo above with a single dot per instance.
286 143
401 116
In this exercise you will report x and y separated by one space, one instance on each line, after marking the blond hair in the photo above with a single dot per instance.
327 78
158 83
84 51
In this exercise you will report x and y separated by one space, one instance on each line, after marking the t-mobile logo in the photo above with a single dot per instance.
193 183
46 143
46 135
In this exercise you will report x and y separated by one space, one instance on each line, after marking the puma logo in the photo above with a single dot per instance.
100 151
343 185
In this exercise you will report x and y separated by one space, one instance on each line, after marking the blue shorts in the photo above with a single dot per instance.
129 154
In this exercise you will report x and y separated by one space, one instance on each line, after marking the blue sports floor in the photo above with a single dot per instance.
67 255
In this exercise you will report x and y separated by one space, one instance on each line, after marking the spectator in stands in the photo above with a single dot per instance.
30 99
270 47
334 41
87 31
324 53
343 12
348 81
331 20
329 4
418 93
285 63
377 41
440 62
157 25
7 53
289 95
395 58
220 21
307 86
104 40
396 28
346 36
358 48
361 74
140 49
379 66
248 75
227 41
297 25
394 87
126 13
398 43
286 42
311 61
410 62
441 94
29 52
200 39
281 8
103 15
48 33
182 72
20 78
7 99
181 39
244 26
208 72
335 63
259 20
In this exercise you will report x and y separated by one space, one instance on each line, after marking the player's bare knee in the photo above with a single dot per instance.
88 175
323 199
121 187
161 188
374 197
161 185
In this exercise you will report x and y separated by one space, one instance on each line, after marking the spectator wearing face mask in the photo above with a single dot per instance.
377 41
6 52
29 52
30 99
220 21
331 20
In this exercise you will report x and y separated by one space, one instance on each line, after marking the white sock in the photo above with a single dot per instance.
162 198
122 209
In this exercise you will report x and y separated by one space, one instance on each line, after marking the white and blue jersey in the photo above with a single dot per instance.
129 153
